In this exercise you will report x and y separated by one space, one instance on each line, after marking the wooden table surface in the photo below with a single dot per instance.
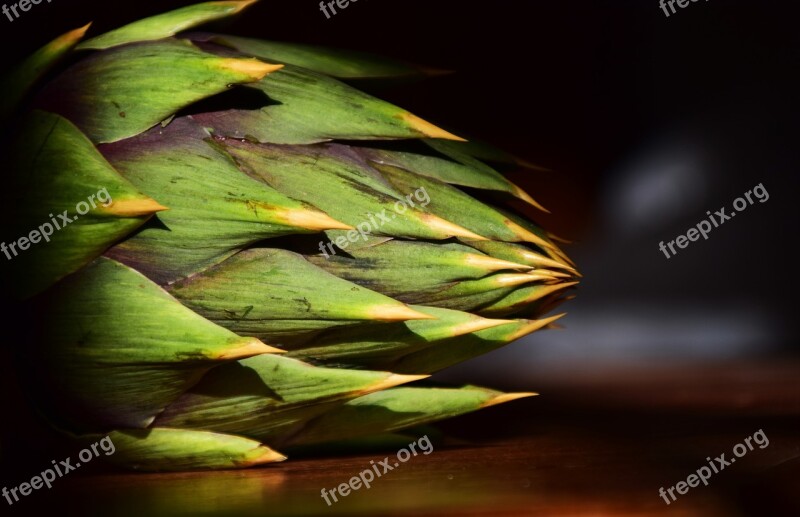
593 444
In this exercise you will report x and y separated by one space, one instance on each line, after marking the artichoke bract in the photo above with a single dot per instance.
231 252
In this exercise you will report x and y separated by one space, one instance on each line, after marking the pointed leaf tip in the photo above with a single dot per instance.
564 285
492 263
541 261
559 239
511 280
239 5
252 68
72 37
558 254
535 325
393 380
437 223
309 219
262 454
530 165
67 40
427 129
545 275
477 325
133 207
18 82
248 347
170 449
521 194
528 236
507 397
551 274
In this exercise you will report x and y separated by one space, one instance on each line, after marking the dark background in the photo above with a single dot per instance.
646 122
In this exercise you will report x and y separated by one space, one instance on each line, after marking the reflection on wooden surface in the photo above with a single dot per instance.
594 445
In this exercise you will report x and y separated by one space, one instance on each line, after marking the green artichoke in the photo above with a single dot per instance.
230 251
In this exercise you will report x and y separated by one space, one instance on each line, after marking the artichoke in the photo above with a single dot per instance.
230 251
